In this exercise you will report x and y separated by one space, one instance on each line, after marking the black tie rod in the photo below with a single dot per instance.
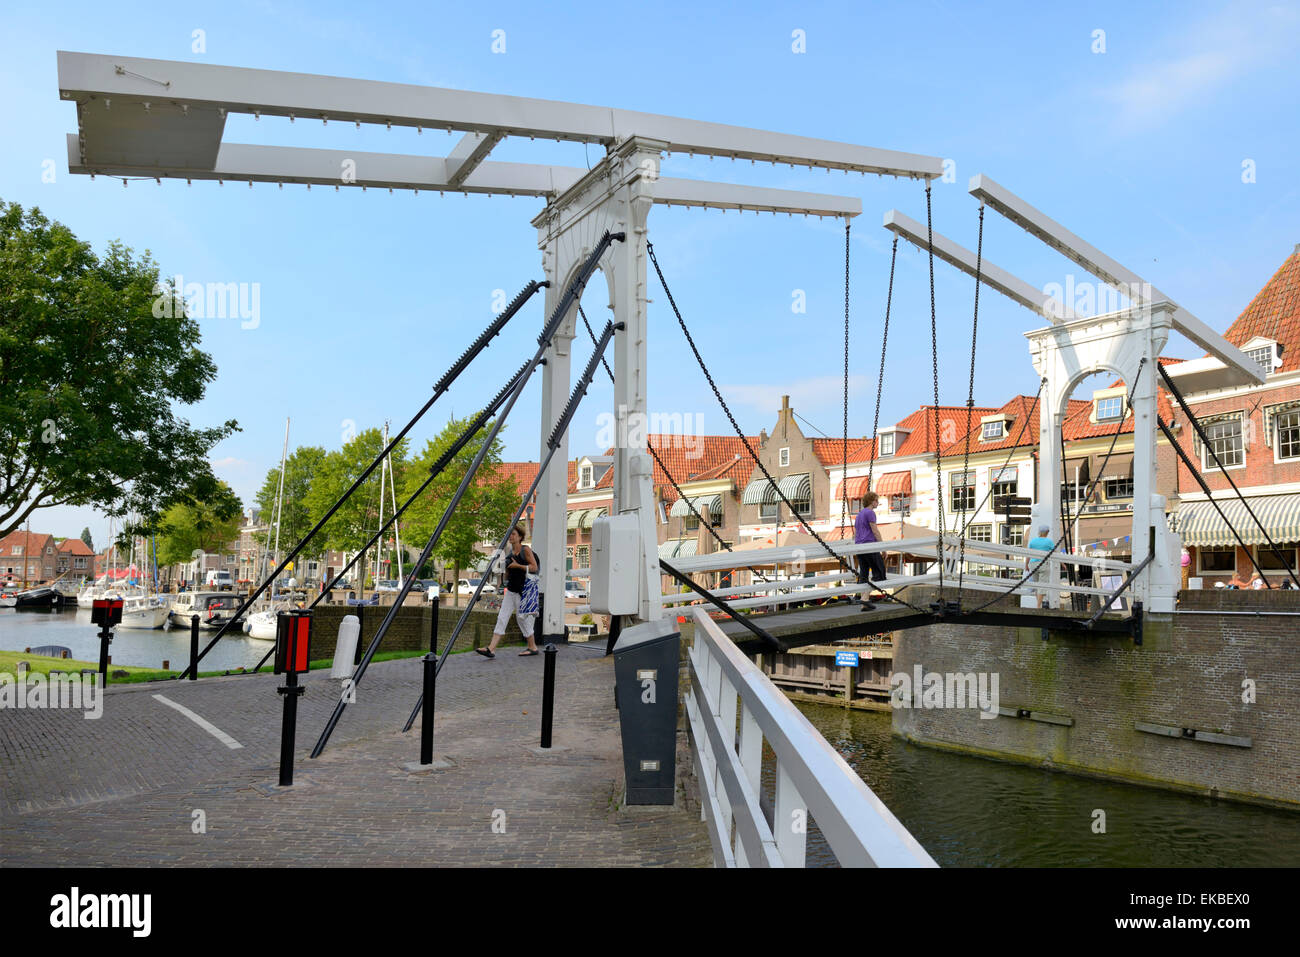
571 295
553 444
481 343
771 642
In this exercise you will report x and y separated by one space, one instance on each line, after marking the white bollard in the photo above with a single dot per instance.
346 648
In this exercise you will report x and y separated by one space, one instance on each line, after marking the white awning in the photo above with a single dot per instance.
712 502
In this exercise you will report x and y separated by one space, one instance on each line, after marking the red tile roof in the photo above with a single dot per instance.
74 546
920 426
830 452
689 457
32 543
1022 431
1274 313
1077 426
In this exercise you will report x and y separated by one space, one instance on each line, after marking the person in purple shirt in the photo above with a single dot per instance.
866 530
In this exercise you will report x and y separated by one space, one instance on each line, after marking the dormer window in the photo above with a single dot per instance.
887 443
996 429
1110 408
1264 351
586 479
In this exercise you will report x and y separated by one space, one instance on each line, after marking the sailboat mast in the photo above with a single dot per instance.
279 495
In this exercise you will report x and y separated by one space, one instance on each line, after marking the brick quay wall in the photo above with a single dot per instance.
1209 703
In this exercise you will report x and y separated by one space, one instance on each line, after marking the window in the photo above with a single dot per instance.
79 562
1110 408
979 533
784 458
767 511
1012 534
1288 435
802 506
1270 561
993 430
18 549
690 522
1004 481
1218 559
1074 493
887 444
663 514
1226 440
961 488
900 503
716 520
586 480
1263 355
1119 488
584 556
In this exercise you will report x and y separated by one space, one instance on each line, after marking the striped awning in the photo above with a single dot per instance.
677 547
758 492
590 515
894 483
857 487
575 517
796 486
712 502
1200 524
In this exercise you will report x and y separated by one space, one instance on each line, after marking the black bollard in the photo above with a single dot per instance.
289 726
433 628
105 636
548 693
426 715
194 647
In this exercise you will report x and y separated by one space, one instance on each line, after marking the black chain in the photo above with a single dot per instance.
1035 566
844 451
934 359
970 405
745 441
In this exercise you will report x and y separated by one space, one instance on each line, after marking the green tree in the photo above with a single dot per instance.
489 501
90 378
193 526
358 518
296 518
85 537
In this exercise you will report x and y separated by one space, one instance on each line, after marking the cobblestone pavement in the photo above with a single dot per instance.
123 790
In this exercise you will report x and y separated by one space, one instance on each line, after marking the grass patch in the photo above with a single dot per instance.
41 664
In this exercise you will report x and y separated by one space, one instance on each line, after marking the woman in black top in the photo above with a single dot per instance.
520 561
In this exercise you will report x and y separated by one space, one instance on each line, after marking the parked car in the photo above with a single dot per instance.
430 587
216 578
574 590
467 586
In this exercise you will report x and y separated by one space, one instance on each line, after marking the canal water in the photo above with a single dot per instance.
71 628
973 812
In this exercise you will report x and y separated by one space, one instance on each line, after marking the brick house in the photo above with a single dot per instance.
74 559
1255 430
28 556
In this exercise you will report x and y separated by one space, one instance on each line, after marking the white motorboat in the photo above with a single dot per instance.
262 625
142 612
214 608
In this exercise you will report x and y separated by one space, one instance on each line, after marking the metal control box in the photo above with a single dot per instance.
615 554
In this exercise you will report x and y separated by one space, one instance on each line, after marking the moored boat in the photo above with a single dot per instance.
38 598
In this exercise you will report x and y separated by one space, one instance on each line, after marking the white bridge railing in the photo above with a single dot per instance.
1015 559
812 780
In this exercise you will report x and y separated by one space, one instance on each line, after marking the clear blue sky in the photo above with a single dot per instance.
366 298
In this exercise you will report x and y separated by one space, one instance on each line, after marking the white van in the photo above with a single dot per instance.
216 578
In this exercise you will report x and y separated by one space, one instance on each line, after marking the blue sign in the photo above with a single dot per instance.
848 659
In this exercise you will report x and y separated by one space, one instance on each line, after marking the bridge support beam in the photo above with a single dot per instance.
1121 343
